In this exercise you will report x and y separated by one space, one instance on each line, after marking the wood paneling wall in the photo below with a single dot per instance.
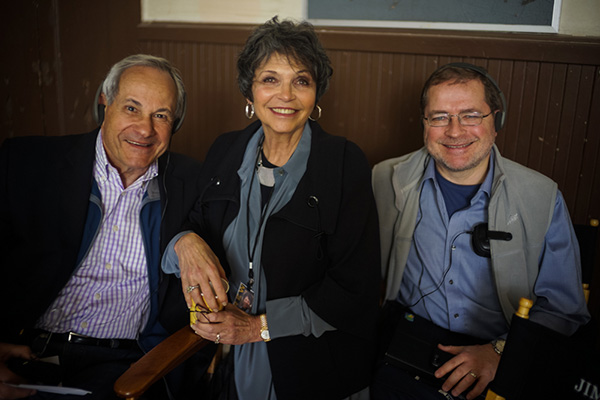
551 82
55 54
552 86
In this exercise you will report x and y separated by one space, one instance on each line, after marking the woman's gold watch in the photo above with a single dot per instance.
264 328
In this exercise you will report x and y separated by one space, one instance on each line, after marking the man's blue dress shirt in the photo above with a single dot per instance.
446 282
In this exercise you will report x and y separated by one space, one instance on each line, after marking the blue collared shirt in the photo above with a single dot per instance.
454 287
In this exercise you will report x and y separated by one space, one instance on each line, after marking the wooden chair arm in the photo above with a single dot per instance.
158 362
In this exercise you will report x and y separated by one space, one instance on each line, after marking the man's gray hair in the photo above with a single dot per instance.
110 87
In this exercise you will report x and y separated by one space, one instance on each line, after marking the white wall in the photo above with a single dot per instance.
218 11
578 17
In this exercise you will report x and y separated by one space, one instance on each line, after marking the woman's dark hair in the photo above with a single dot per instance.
296 41
462 75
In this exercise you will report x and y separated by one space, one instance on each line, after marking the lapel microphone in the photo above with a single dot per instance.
481 236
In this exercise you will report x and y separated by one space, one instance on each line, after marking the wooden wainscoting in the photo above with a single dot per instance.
551 84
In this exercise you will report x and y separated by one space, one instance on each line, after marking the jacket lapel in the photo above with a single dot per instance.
316 200
74 182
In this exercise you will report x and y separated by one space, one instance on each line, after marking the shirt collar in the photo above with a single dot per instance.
294 168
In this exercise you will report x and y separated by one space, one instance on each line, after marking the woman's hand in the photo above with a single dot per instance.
472 365
200 267
231 326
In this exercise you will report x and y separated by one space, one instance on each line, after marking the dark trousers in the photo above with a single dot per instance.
393 383
91 368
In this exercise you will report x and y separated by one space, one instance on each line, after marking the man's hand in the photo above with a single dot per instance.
8 351
200 266
11 392
232 325
470 365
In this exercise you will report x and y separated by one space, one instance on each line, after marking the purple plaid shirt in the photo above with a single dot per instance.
108 294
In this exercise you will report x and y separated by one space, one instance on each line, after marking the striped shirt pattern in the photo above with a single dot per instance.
108 295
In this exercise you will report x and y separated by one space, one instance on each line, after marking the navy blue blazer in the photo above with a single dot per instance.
45 185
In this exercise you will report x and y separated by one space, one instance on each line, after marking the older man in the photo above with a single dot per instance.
464 234
84 220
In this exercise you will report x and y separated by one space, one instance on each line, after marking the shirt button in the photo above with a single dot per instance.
97 296
108 266
115 228
453 247
455 315
84 325
451 282
280 172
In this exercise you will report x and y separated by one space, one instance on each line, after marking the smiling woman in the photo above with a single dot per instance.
288 216
284 96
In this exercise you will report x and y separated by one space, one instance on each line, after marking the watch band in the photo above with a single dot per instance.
264 328
498 346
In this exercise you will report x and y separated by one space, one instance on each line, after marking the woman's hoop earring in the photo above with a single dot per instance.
249 110
319 116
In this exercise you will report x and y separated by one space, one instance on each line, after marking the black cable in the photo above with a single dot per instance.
164 184
422 263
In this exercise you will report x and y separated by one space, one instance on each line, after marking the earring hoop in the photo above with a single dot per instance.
319 116
249 110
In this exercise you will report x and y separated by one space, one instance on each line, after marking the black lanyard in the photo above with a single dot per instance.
252 252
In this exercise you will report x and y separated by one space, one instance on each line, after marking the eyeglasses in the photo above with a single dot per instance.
464 119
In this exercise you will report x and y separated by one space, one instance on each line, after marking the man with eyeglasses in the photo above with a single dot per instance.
465 233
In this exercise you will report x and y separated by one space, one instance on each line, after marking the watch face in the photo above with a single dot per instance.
265 335
500 344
